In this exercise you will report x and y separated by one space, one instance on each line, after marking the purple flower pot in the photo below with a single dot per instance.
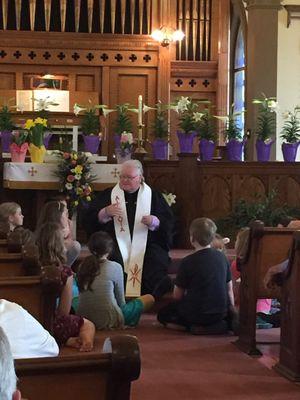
186 141
289 151
117 139
206 149
235 150
91 143
6 139
160 149
47 139
263 150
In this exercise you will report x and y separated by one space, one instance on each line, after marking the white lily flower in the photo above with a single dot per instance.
197 116
286 115
273 105
147 108
77 109
107 111
174 108
183 102
134 110
170 198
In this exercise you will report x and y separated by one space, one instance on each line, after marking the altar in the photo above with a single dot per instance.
43 176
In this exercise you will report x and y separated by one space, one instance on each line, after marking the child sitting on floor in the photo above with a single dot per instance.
203 288
71 330
101 287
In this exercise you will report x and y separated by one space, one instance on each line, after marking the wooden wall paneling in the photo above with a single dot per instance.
4 13
215 27
155 15
85 82
7 80
125 86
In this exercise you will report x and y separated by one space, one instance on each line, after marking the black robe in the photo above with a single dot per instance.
156 259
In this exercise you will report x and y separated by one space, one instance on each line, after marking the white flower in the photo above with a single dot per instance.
170 198
183 102
174 108
107 111
69 186
43 104
286 114
272 105
197 116
147 108
77 177
77 109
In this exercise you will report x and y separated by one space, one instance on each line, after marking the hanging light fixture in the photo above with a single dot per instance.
165 35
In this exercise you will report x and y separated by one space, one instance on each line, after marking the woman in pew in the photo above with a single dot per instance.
101 287
71 330
27 337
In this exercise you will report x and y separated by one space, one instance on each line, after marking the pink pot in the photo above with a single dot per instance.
18 153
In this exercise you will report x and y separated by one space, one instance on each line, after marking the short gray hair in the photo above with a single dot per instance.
134 164
8 379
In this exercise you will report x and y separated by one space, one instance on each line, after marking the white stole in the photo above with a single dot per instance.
132 252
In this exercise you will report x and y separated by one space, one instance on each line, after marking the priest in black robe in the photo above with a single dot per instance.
102 214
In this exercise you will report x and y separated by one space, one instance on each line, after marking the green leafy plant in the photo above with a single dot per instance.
123 122
232 130
291 129
19 137
266 121
36 129
160 125
186 109
90 123
265 209
205 124
6 123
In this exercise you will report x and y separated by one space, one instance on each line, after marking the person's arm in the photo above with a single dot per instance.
65 300
119 285
269 279
230 293
178 293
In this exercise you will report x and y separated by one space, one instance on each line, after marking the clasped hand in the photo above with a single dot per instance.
115 210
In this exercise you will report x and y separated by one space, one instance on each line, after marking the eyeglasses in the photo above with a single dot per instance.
127 178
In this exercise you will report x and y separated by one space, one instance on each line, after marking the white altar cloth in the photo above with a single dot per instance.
42 176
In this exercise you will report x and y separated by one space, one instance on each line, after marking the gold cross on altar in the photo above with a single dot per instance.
32 171
115 173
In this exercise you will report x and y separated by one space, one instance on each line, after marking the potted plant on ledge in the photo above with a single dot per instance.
205 127
36 130
90 126
160 130
291 134
123 153
266 126
234 136
6 128
19 146
122 123
186 108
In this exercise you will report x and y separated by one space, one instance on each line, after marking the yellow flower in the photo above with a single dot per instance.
78 169
79 190
88 198
75 203
29 124
74 156
41 121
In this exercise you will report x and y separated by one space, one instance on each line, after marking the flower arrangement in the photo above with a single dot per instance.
126 142
291 129
36 129
170 198
187 112
74 172
266 121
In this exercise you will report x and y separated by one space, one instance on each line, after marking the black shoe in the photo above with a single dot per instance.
164 286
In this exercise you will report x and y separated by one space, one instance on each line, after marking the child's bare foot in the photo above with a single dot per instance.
74 342
87 345
86 336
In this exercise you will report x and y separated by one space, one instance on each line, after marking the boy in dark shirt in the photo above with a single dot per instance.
203 287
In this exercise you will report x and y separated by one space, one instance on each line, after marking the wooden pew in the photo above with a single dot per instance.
266 247
37 294
102 376
289 358
22 263
3 246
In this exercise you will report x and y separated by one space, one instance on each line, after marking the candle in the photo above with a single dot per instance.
140 110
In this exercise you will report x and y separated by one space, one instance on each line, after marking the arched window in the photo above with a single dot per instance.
238 95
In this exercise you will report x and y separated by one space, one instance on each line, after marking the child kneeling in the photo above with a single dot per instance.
101 288
203 287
